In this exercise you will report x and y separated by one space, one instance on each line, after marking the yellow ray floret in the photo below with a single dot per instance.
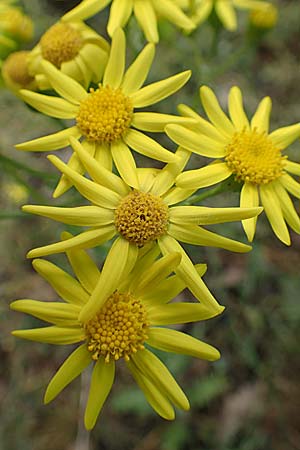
146 13
106 117
116 323
248 151
140 216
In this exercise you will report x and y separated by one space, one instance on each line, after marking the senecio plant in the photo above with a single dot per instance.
143 214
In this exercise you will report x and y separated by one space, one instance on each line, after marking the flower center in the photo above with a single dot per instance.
141 218
60 43
16 69
254 158
105 114
119 329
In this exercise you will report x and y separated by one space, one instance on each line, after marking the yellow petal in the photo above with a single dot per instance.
153 368
84 10
236 109
86 239
115 266
261 118
159 270
53 312
204 177
82 215
175 313
49 105
99 173
170 11
156 398
283 137
137 73
155 92
69 370
52 142
174 341
103 156
66 286
95 59
249 197
125 163
288 209
227 15
202 215
114 71
94 192
102 380
156 122
166 176
274 213
83 266
292 167
146 17
215 113
63 84
52 335
188 273
147 146
290 185
120 12
177 195
195 142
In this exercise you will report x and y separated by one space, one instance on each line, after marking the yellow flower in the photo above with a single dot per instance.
225 10
130 314
140 216
15 23
74 48
249 152
264 17
146 13
105 117
15 72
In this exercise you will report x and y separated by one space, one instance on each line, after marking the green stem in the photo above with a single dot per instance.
19 165
12 215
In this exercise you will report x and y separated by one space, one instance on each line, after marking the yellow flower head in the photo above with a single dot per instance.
74 48
15 24
15 72
264 17
249 152
105 117
225 10
145 12
130 314
140 216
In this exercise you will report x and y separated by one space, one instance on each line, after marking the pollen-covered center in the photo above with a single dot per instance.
61 43
119 329
105 114
253 157
16 68
141 218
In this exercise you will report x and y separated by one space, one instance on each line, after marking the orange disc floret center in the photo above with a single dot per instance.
119 329
105 114
16 68
254 158
141 217
61 43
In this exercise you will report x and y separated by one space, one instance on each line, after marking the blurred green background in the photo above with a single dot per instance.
250 399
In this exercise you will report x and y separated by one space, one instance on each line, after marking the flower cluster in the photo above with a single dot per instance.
143 214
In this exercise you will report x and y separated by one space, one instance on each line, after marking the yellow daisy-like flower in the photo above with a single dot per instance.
146 13
74 48
264 17
105 117
225 10
140 216
15 72
15 23
249 152
131 313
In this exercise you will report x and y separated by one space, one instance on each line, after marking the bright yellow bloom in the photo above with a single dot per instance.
15 23
225 10
74 48
105 117
249 152
264 17
15 72
140 216
133 309
146 13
